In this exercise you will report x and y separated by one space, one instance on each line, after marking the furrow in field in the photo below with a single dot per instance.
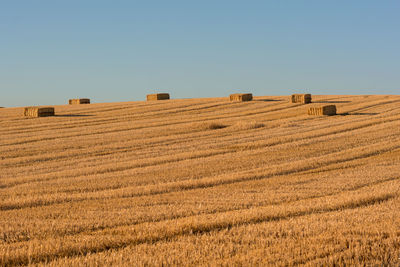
141 114
208 182
111 168
21 236
302 139
367 107
361 119
292 106
3 152
293 191
155 232
106 130
108 119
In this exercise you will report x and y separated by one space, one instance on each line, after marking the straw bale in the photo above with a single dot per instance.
79 101
159 96
322 110
38 112
301 98
241 97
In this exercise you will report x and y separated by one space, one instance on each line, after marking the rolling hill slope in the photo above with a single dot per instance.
202 181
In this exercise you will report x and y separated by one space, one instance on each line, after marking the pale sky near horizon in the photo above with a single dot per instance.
112 51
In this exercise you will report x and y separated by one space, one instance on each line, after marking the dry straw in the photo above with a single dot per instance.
241 97
38 112
301 98
160 96
79 101
247 125
322 110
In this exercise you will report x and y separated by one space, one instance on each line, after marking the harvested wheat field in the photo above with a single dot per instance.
202 182
79 101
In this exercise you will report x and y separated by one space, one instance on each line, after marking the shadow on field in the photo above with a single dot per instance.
73 115
358 114
331 102
268 100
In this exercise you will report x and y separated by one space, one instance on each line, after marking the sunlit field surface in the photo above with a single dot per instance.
202 182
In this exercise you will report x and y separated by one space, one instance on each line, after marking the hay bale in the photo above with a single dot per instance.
159 96
301 98
322 110
38 112
79 101
241 97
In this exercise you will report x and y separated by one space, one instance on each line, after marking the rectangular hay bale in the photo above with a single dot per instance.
159 96
301 98
241 97
322 110
79 101
35 112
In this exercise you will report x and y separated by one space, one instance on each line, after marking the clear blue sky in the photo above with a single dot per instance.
110 51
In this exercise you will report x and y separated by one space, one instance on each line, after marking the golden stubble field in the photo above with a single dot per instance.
202 182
